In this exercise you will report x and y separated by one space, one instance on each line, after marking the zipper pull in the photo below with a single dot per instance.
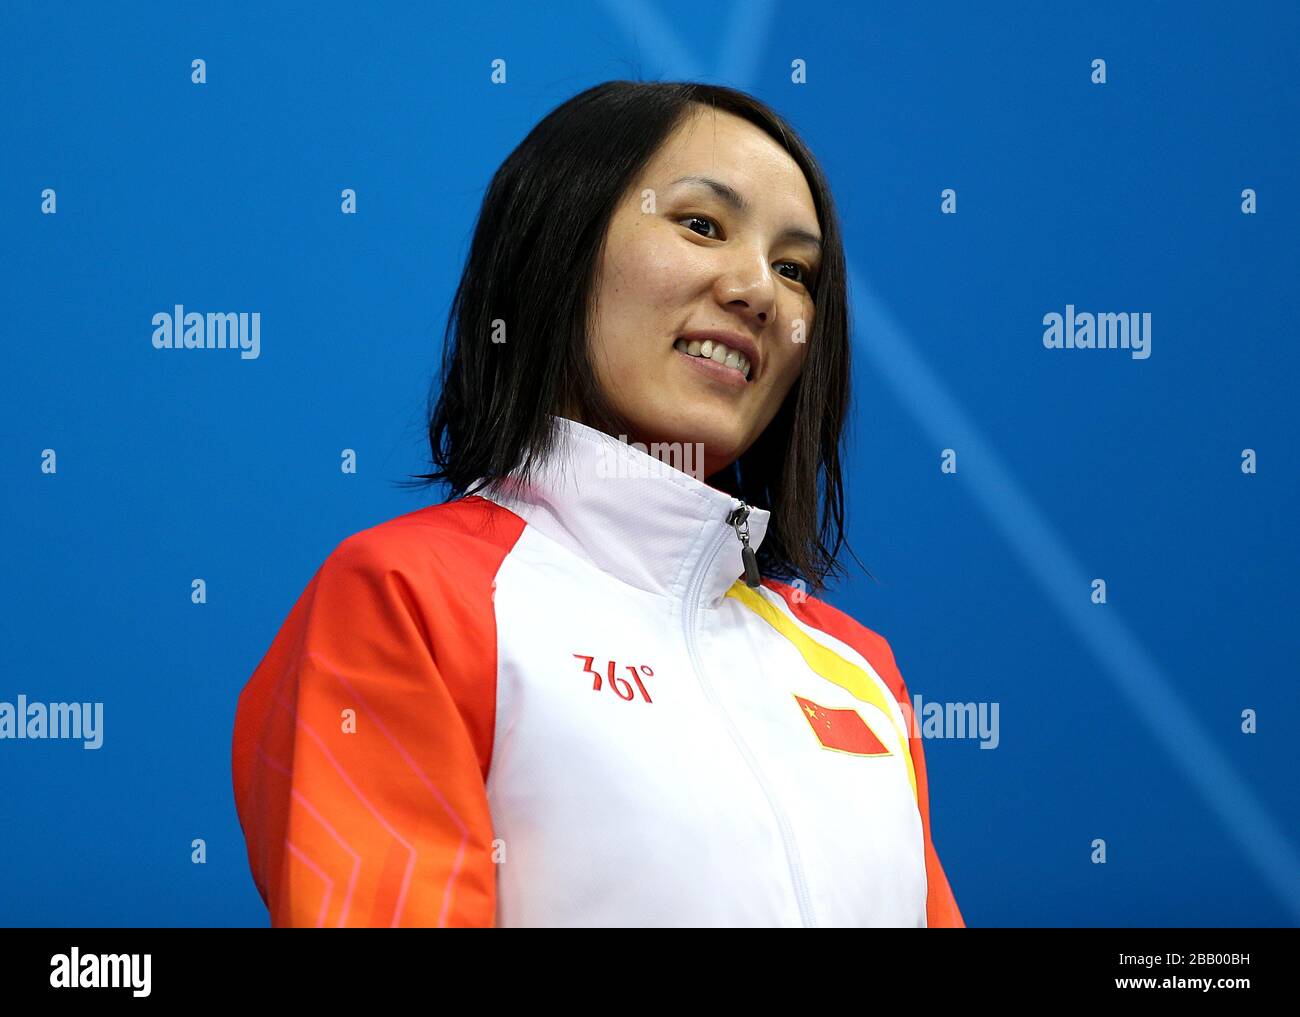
739 519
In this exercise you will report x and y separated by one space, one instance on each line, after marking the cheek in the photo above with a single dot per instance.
648 270
641 297
796 324
789 363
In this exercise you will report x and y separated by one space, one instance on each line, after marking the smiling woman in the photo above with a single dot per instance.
723 263
590 687
643 212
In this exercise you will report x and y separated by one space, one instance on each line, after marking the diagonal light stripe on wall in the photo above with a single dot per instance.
650 32
745 41
1044 554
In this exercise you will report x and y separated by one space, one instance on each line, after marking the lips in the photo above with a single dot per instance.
715 356
735 342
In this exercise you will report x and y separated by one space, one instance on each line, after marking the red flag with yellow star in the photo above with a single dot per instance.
841 730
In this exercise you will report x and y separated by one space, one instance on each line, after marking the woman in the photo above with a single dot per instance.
590 689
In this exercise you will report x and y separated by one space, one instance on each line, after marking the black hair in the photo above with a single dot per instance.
541 228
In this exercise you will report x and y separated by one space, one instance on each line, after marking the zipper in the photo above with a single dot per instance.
737 518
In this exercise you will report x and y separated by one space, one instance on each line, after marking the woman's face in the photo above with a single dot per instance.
737 256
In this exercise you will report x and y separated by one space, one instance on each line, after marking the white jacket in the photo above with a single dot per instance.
559 705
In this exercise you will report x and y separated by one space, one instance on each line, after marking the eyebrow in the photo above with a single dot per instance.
737 201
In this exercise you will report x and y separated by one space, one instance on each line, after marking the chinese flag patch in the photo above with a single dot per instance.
842 730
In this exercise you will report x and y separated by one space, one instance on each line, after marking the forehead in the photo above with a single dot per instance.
721 145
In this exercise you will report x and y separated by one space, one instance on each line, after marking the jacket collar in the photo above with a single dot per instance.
634 517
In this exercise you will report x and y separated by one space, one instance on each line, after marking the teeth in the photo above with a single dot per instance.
715 351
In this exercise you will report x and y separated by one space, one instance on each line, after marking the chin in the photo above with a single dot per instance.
722 435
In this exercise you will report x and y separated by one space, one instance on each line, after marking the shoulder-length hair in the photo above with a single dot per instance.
533 265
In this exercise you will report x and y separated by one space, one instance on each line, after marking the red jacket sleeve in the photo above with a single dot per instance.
358 765
940 905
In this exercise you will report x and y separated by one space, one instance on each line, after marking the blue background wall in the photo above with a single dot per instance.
1119 721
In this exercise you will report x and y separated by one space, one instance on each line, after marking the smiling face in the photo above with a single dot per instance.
725 243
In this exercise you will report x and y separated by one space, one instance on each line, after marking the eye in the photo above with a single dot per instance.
699 218
804 275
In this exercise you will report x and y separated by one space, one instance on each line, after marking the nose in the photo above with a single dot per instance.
747 287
